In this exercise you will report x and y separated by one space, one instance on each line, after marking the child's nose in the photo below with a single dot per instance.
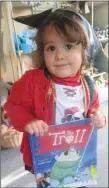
59 55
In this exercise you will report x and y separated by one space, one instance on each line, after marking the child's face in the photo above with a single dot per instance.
62 58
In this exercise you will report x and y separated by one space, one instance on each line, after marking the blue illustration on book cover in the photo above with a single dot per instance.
66 156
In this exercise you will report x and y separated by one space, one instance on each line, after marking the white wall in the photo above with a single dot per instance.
100 15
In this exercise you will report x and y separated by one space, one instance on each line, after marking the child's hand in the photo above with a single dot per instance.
3 129
13 138
37 127
98 120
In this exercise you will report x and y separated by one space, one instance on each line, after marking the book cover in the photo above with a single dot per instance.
66 156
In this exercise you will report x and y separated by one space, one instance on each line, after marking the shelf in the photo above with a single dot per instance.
104 39
99 74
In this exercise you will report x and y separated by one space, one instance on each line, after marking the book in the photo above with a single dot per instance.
66 156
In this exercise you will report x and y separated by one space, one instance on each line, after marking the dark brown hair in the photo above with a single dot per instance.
68 24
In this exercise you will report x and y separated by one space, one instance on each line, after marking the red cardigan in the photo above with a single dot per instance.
32 98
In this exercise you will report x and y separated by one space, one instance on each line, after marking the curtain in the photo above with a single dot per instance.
9 60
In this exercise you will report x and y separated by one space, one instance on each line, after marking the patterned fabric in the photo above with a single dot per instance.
69 103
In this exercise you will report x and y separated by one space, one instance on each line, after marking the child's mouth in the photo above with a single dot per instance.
62 65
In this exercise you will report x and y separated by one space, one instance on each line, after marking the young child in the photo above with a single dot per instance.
57 91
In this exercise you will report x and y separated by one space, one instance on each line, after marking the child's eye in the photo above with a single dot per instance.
51 48
68 46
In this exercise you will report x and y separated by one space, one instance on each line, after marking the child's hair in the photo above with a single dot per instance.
69 25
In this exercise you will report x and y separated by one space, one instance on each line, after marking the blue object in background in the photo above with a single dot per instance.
24 42
29 33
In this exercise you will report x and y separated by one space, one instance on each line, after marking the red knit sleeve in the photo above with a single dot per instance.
95 103
19 105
